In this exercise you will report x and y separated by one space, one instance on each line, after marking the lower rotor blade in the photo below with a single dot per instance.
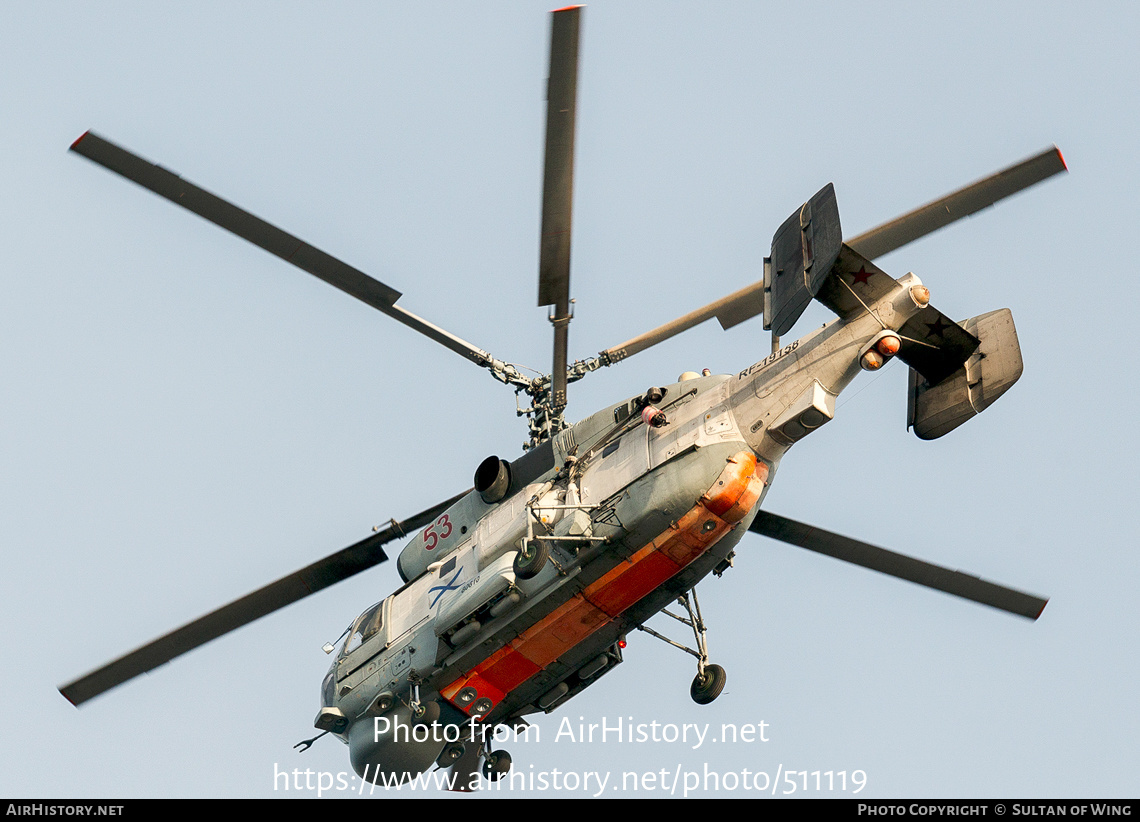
285 591
898 565
962 203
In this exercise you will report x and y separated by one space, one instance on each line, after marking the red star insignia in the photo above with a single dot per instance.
937 327
863 275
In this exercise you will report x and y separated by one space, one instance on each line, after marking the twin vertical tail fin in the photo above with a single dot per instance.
937 408
804 250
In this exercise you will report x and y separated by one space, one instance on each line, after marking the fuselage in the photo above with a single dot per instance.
634 515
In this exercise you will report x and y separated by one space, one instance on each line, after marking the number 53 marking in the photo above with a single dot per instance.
431 538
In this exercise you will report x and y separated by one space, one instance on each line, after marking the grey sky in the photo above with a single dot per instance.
187 418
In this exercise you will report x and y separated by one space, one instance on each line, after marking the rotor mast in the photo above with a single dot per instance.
558 195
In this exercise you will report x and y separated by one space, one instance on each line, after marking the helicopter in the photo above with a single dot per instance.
518 593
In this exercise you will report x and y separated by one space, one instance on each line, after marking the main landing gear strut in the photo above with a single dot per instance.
710 678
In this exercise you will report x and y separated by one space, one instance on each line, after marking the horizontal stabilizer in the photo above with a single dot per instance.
855 284
898 565
932 344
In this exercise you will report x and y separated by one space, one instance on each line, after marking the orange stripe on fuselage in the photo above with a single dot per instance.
730 498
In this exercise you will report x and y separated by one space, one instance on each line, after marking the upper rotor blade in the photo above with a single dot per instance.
731 310
962 203
298 585
748 302
558 187
898 565
558 174
272 239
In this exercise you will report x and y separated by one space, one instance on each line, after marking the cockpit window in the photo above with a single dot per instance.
367 625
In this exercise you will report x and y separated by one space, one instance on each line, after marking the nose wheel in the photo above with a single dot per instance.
426 713
423 713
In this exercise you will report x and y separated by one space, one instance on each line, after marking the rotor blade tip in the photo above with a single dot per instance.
1061 157
1046 602
80 140
566 8
68 698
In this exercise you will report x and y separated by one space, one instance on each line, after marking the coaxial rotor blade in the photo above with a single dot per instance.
731 310
961 203
285 591
558 172
282 244
897 565
748 301
558 185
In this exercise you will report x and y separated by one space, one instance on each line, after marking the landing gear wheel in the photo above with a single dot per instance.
497 765
532 558
706 688
428 713
451 754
